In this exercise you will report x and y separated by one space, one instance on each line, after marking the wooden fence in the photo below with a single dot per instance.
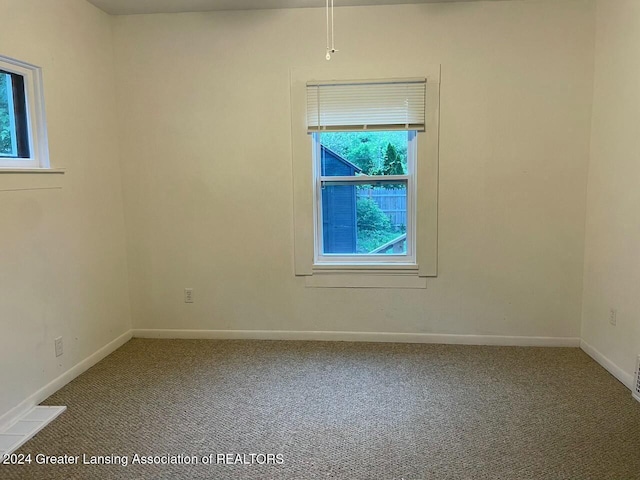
393 202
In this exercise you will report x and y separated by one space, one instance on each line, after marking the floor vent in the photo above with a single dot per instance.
26 427
636 381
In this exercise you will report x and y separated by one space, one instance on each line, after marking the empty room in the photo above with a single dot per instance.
310 239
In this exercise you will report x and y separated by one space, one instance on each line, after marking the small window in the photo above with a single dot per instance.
23 140
364 154
14 132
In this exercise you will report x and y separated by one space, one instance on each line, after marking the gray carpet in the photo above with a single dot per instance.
344 410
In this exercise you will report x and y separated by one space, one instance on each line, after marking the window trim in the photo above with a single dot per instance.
38 144
338 260
426 210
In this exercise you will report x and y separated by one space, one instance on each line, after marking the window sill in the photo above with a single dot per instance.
19 179
365 276
370 268
59 171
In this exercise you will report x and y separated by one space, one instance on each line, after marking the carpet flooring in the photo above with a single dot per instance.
341 410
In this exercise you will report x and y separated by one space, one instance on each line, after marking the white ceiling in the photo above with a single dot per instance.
129 7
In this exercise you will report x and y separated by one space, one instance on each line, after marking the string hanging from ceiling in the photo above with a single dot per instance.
331 40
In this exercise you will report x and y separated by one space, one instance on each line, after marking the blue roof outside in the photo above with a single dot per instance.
342 159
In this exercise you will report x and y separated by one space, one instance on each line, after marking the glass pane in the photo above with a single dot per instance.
365 219
8 142
364 153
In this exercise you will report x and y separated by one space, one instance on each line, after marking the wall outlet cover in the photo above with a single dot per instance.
188 295
59 347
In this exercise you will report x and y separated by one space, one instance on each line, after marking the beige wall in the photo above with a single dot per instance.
205 136
62 252
612 256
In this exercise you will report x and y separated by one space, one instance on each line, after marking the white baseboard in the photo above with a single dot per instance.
360 337
612 368
18 411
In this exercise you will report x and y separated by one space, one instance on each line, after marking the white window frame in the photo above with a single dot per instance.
425 211
329 259
36 119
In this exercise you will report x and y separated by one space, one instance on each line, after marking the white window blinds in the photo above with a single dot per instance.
397 104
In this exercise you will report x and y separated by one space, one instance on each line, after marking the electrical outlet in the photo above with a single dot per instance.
59 349
613 314
188 295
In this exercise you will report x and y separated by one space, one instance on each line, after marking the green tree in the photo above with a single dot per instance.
374 227
370 217
392 162
367 149
5 133
362 156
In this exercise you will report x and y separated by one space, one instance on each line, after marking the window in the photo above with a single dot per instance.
14 133
365 174
23 139
365 196
364 136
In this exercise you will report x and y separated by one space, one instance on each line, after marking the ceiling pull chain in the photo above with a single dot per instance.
331 44
333 37
328 48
